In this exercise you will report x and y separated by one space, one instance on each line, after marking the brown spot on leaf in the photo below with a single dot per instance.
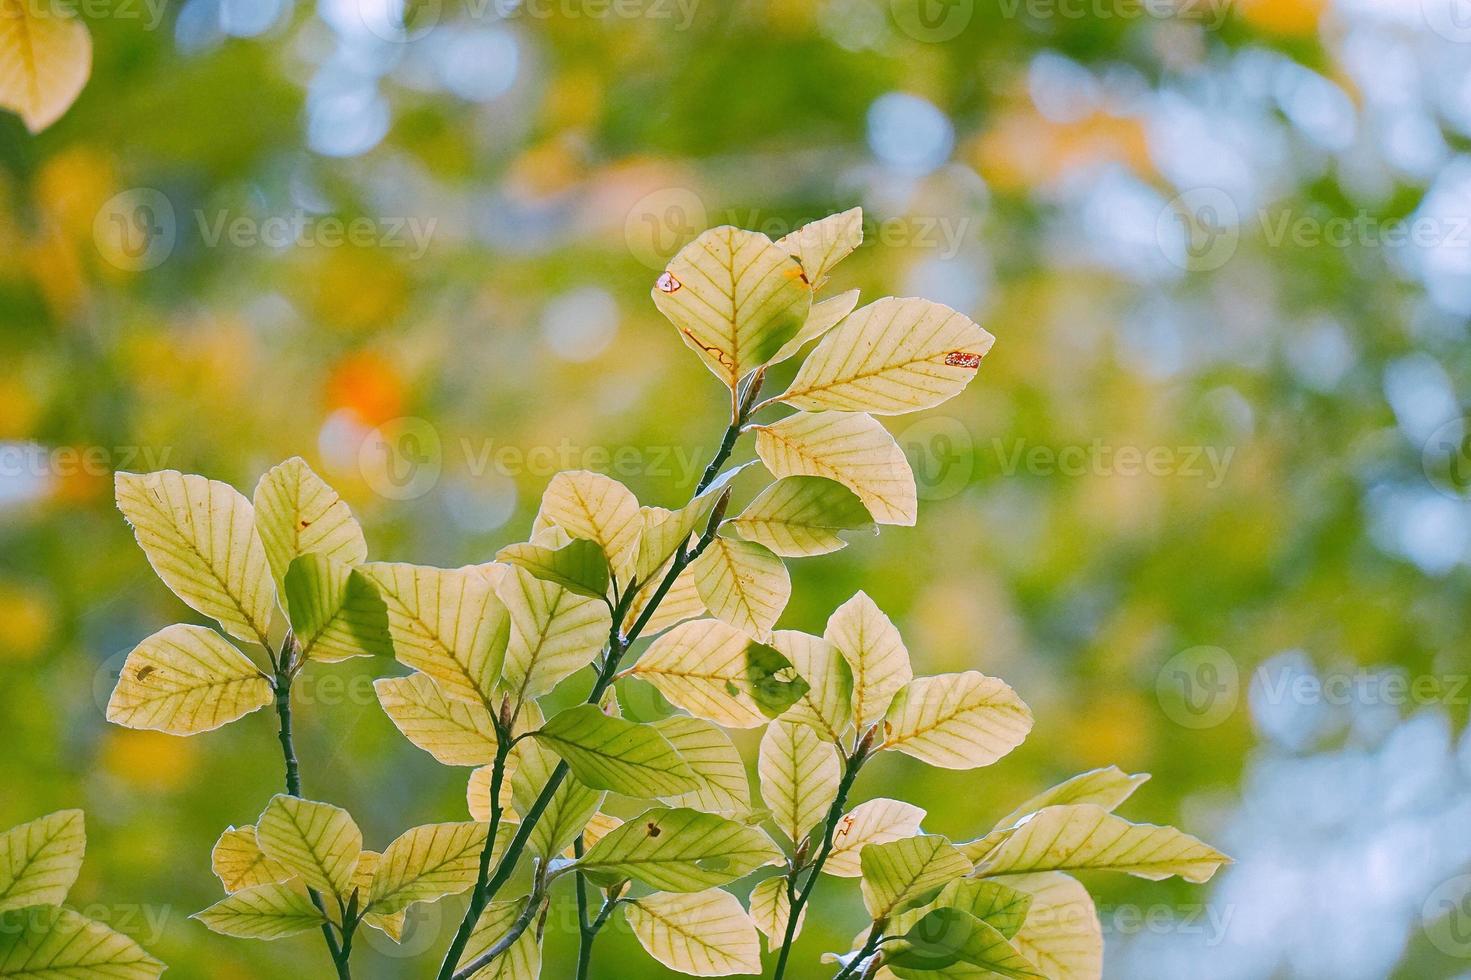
654 829
667 283
963 358
142 672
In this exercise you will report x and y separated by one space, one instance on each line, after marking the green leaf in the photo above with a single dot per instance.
956 721
570 808
455 733
743 584
318 841
852 448
46 943
896 872
335 610
554 633
578 566
771 907
521 962
199 536
822 318
875 652
679 850
185 680
239 863
735 298
298 514
271 911
716 672
891 357
614 754
877 821
40 860
799 777
447 623
426 863
1001 907
827 704
1085 836
596 507
800 516
820 245
706 934
1062 934
944 937
715 763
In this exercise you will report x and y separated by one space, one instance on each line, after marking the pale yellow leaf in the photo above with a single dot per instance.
706 934
185 680
45 60
875 652
199 536
850 448
890 357
711 670
297 513
822 318
428 862
803 516
599 509
1062 934
1108 787
877 821
771 908
269 911
799 777
956 721
238 861
566 814
679 850
554 633
317 841
455 733
822 244
40 860
895 872
714 763
743 584
680 603
48 943
477 790
827 705
521 962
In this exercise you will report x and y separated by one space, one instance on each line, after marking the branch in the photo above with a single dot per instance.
522 923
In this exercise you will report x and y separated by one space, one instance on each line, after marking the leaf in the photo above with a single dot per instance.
578 566
58 944
875 651
40 860
679 850
199 536
239 863
822 318
800 516
1086 836
799 777
318 841
827 704
1001 907
617 755
270 911
680 603
426 863
596 507
298 514
554 634
477 789
521 962
447 623
45 60
891 357
956 721
878 821
944 937
736 299
719 673
1108 787
822 244
665 530
1062 934
335 611
714 762
185 680
455 733
743 584
770 909
706 934
901 870
851 448
570 808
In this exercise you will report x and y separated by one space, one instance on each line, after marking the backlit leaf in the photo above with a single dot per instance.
298 514
45 59
426 863
58 944
1000 906
318 841
614 754
1062 934
1108 787
682 602
946 937
270 911
799 777
705 934
890 357
901 870
800 516
199 536
956 721
822 318
570 808
679 850
335 611
40 860
852 448
743 584
735 298
455 733
521 962
185 680
715 764
578 566
876 821
238 861
875 652
827 704
596 507
822 244
716 672
554 633
771 907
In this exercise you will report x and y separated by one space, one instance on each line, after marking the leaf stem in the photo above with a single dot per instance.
797 898
875 936
589 931
618 645
522 923
285 669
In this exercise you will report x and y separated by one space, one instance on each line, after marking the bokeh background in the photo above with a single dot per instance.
1205 506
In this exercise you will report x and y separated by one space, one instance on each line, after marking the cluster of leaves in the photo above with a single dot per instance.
289 573
39 863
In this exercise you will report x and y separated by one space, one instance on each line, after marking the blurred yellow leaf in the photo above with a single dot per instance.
45 60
